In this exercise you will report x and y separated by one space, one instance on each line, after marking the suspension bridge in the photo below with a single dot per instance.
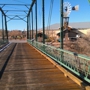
33 65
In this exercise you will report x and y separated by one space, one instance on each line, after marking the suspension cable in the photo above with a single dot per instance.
50 15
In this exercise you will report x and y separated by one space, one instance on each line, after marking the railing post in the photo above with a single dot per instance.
32 23
6 28
61 34
43 12
36 18
27 28
2 29
61 24
30 27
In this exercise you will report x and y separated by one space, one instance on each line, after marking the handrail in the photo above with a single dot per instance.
76 63
3 42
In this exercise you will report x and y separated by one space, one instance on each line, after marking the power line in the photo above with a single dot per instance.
50 15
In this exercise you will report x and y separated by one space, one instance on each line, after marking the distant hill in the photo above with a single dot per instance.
73 25
16 34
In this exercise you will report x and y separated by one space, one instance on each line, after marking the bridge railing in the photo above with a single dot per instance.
3 29
3 42
76 63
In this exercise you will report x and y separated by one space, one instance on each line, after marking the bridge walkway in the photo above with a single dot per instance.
23 68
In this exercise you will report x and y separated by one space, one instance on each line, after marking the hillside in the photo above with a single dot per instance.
17 34
80 25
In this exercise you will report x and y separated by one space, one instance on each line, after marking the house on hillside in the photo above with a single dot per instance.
72 34
40 36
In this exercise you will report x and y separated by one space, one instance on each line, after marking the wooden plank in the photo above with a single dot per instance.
26 71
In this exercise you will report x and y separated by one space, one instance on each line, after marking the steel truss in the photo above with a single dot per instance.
28 13
4 27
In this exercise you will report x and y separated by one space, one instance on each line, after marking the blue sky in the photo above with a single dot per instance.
82 15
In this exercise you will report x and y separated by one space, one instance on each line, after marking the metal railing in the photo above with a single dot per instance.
76 63
3 42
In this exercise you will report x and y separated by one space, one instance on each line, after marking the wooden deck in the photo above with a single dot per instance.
26 69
